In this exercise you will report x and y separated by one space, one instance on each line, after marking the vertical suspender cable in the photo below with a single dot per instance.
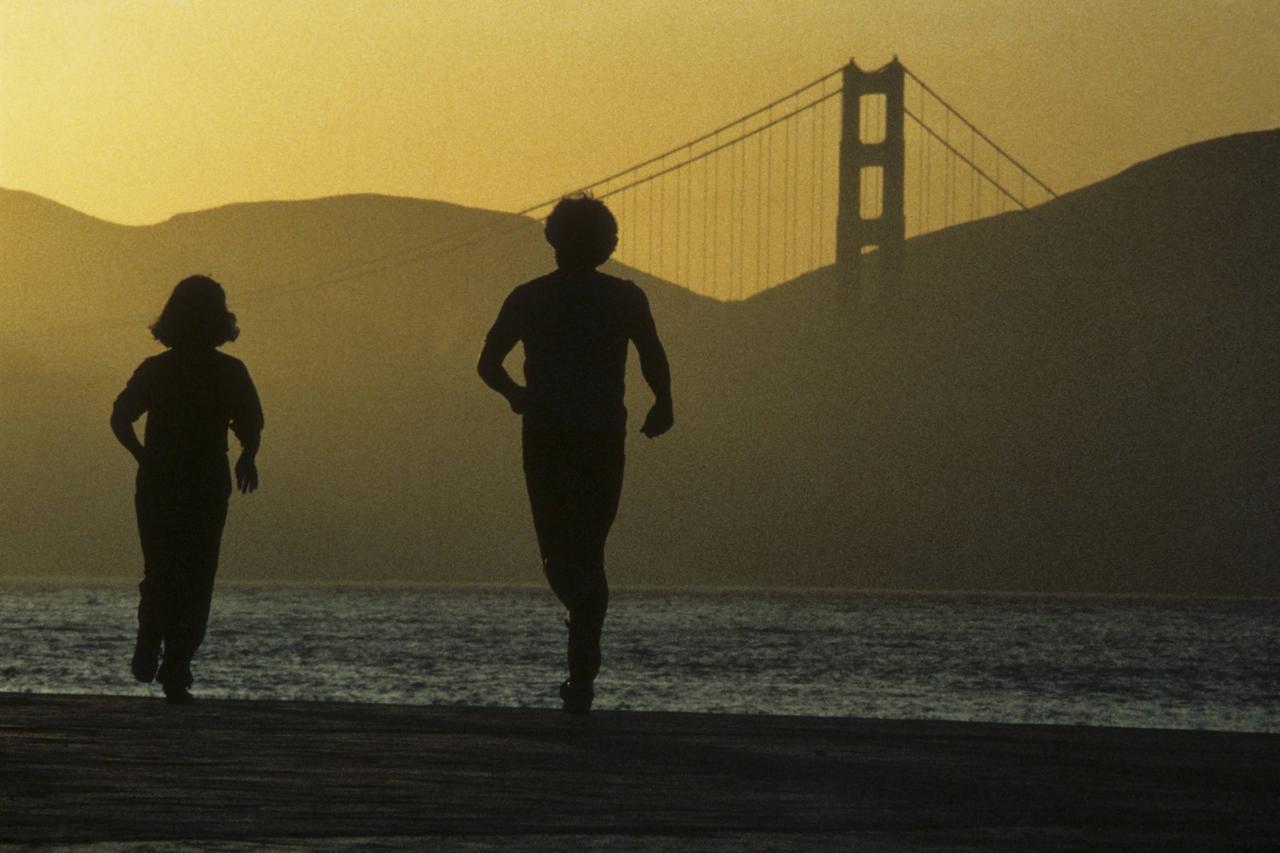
706 171
813 187
768 213
999 184
649 246
785 127
715 209
740 149
947 164
822 176
663 221
679 229
973 179
732 213
922 177
760 242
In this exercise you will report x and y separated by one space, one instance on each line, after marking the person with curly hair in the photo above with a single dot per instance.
575 324
191 394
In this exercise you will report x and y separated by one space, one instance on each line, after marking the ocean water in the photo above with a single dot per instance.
1122 661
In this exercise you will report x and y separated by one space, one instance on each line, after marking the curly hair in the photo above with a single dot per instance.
196 315
582 230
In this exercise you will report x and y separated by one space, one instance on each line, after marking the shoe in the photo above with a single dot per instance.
174 674
177 694
146 660
577 698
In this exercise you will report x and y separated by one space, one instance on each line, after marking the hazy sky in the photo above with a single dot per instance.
133 110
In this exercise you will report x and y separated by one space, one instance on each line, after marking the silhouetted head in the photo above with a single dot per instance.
582 231
196 315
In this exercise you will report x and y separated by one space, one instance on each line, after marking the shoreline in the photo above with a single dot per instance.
131 582
329 775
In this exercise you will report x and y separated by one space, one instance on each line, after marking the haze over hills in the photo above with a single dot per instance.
1085 397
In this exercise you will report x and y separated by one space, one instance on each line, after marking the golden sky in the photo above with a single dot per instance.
133 110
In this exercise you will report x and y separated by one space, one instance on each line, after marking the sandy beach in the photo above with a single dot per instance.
115 772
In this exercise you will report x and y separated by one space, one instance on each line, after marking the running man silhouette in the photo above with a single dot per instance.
190 393
575 324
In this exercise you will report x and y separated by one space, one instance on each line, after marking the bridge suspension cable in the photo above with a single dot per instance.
754 202
735 210
956 173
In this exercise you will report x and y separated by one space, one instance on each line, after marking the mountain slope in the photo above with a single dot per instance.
1082 397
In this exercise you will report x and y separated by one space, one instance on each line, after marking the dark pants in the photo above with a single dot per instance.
180 521
574 481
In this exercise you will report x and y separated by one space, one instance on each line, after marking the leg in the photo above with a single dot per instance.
596 481
549 501
199 533
574 482
154 531
584 591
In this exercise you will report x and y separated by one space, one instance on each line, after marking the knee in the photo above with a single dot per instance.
590 612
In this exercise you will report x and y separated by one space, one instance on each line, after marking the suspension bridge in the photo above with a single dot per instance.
841 171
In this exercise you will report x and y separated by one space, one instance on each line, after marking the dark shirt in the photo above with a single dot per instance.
575 327
191 397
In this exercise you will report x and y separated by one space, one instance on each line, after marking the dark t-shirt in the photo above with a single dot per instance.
575 327
191 397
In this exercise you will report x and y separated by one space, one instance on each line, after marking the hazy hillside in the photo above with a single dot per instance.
1084 397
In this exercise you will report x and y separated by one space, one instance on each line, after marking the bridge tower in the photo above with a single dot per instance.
871 221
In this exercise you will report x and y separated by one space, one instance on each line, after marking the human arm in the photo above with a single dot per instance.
129 406
657 373
246 465
122 426
246 423
498 343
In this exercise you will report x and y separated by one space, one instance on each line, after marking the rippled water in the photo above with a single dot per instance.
1169 663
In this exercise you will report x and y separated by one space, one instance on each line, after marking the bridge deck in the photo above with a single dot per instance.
334 776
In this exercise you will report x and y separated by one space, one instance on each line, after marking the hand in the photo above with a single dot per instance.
246 474
518 397
659 420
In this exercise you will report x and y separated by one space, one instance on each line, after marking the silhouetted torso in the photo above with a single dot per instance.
191 397
575 327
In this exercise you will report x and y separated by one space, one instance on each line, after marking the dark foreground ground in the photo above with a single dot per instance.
224 775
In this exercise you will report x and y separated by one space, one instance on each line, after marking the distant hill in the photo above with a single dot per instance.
1083 397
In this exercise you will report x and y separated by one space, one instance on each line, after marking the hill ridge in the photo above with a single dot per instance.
1035 415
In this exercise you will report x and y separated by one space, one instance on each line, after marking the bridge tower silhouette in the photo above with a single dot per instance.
871 225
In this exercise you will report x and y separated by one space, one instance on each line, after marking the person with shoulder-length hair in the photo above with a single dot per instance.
575 324
191 394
